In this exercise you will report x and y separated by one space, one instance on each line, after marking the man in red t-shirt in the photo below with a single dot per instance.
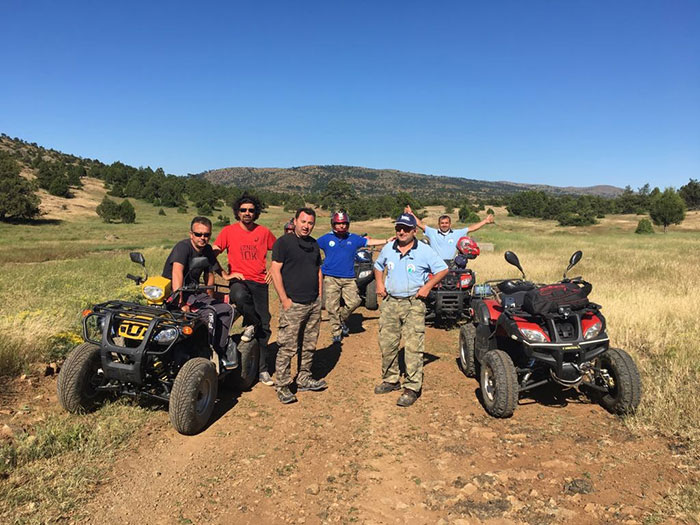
247 244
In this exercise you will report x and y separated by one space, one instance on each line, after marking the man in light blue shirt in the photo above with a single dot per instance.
412 270
444 239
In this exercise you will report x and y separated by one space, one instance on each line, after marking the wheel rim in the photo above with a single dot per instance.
487 383
204 395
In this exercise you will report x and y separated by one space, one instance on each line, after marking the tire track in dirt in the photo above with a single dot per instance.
347 455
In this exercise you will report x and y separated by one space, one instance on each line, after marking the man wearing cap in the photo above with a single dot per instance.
339 247
407 264
444 239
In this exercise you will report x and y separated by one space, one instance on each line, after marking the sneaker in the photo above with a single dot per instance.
337 338
248 333
265 379
285 395
407 398
345 331
385 388
312 384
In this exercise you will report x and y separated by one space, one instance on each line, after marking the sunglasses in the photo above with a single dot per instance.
403 229
244 210
202 234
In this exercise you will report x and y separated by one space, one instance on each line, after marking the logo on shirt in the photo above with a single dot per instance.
390 265
451 241
331 243
410 268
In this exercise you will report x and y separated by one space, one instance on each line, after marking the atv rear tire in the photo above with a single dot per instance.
371 296
467 361
193 396
78 379
244 377
499 384
626 394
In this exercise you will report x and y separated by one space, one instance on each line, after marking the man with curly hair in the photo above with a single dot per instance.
247 244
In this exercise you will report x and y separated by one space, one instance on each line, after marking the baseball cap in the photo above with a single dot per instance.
407 220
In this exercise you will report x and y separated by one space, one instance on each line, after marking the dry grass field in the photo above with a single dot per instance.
50 271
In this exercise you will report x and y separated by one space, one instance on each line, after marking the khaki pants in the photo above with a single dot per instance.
402 318
335 288
299 319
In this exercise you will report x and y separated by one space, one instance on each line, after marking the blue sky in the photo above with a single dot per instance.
554 92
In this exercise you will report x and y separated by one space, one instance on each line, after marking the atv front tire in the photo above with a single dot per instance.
244 377
626 393
193 396
499 384
467 361
371 296
79 378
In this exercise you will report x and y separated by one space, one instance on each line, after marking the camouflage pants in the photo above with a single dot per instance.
299 322
402 318
335 288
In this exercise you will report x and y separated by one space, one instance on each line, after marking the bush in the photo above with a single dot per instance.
224 220
161 212
108 210
644 226
575 219
667 208
205 209
126 212
182 209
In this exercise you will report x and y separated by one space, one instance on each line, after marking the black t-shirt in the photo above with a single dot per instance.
183 253
301 259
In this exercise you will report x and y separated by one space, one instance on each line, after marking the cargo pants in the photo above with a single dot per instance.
335 288
402 318
304 319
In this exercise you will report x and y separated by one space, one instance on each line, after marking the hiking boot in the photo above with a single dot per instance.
230 360
265 379
337 338
385 388
344 330
285 395
407 398
248 333
312 384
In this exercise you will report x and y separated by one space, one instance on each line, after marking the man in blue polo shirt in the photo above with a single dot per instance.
444 239
408 265
339 247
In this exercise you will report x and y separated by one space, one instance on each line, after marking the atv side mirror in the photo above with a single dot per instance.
575 258
511 258
137 257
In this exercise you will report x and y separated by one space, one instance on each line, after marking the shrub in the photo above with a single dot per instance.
182 209
224 220
161 212
126 212
108 210
644 226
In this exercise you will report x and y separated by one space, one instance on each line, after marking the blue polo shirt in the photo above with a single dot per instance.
445 244
406 274
339 254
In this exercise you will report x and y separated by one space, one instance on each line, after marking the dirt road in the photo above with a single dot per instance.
348 455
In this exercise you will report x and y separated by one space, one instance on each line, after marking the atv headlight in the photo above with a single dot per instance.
535 336
593 331
166 336
364 273
153 292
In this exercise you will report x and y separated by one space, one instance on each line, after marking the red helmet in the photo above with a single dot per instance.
289 227
468 247
340 216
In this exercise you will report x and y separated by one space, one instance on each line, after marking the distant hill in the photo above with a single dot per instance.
312 179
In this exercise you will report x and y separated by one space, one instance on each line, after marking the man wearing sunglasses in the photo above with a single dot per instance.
247 244
177 265
406 264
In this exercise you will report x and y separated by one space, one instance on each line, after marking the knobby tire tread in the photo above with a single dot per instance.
182 410
71 380
506 379
629 383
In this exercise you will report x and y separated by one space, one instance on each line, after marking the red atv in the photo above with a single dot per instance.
527 335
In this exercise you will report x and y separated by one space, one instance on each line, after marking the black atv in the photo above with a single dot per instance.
526 335
364 278
156 351
448 302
